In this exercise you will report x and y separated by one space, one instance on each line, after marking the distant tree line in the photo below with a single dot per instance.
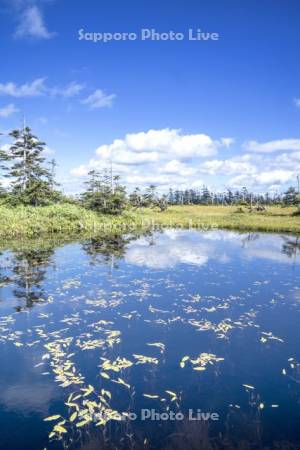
204 196
31 181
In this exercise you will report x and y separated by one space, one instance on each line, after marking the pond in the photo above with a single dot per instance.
169 340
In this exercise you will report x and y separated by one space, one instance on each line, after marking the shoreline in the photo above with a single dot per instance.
71 220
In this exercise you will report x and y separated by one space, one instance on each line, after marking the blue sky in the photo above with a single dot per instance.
176 113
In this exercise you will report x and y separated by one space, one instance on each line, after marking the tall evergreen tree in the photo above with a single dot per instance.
171 197
3 159
31 181
150 195
206 196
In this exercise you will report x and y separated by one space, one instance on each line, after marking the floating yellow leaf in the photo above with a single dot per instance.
73 416
59 429
55 417
150 395
105 375
83 422
87 391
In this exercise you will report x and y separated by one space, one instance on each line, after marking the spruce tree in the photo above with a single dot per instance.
150 195
31 182
206 196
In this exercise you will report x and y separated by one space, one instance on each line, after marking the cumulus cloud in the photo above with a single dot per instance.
99 99
171 158
228 167
8 110
264 178
32 25
163 157
275 176
272 146
176 167
160 144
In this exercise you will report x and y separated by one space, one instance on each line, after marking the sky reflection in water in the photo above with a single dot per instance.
219 309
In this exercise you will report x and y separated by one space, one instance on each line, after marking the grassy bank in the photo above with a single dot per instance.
275 219
72 219
55 219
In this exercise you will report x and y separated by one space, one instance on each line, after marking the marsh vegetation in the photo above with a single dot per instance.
95 330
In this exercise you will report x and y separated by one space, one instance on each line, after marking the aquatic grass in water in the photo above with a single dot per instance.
95 332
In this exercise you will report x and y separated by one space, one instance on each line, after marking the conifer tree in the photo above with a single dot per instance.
136 199
31 181
290 197
150 195
104 193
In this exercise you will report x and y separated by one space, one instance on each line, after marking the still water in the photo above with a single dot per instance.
170 340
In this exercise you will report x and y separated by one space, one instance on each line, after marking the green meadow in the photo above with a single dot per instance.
26 221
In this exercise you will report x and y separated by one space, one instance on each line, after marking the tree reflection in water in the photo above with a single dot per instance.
109 249
291 246
30 267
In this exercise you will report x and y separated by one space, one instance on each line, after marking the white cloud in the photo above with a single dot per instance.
80 171
99 99
263 179
176 167
172 141
33 89
39 88
32 25
165 157
169 158
8 110
272 146
228 167
275 176
227 142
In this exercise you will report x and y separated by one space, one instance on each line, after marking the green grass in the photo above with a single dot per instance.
70 220
275 219
55 219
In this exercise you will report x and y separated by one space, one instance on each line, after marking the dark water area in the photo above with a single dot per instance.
170 340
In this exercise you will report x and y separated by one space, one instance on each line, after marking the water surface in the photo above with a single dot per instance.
178 321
